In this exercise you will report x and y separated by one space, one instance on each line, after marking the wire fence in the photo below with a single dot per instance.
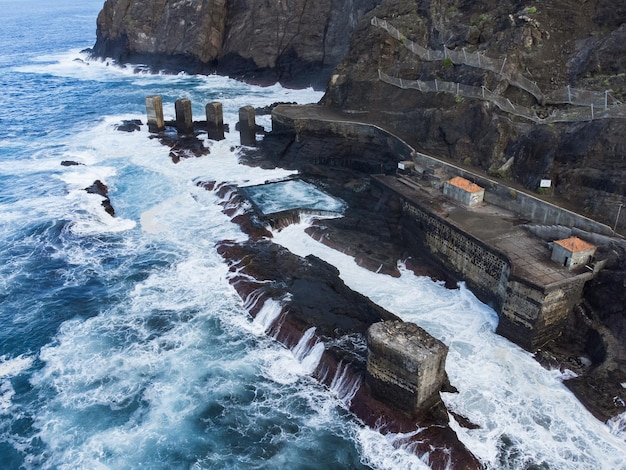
506 70
460 90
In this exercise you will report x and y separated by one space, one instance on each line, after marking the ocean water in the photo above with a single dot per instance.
122 343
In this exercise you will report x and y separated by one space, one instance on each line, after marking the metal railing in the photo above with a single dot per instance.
595 100
538 116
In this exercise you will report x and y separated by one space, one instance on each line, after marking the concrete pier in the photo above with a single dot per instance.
154 111
247 126
405 365
184 119
215 120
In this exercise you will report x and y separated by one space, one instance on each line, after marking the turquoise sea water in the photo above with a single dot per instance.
122 344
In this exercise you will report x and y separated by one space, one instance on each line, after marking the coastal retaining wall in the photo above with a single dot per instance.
532 315
529 314
485 270
313 120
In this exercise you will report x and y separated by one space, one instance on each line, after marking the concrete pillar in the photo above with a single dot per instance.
154 110
405 366
184 119
215 120
247 126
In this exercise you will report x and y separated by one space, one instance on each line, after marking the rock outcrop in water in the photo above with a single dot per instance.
295 42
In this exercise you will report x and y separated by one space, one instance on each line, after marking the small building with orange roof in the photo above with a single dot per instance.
572 252
464 191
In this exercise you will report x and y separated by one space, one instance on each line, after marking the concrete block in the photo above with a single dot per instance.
405 365
215 120
247 126
154 111
184 119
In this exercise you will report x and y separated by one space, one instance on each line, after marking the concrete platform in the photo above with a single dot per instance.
496 227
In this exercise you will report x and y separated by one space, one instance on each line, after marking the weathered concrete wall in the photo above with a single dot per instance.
485 270
405 365
533 315
529 314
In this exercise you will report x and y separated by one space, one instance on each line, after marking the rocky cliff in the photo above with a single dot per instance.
519 89
295 42
505 87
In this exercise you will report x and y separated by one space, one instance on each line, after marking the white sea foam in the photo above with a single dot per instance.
9 368
267 315
380 451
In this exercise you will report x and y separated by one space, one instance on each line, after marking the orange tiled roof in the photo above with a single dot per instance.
575 244
464 184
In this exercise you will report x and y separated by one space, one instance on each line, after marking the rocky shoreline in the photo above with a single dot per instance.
312 296
592 349
265 271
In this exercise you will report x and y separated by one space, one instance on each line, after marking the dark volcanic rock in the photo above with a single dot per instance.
313 296
296 42
130 125
101 189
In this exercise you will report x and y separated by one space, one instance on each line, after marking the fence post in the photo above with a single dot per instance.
483 89
592 116
569 95
436 86
465 56
606 99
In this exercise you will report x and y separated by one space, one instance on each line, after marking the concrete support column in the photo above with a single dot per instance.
405 366
154 110
247 126
215 120
184 119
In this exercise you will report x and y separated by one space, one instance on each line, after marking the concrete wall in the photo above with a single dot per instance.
485 270
529 315
533 315
526 205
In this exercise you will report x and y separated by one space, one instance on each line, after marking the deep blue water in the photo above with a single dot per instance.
122 344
